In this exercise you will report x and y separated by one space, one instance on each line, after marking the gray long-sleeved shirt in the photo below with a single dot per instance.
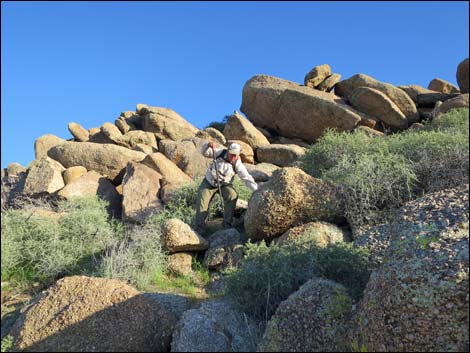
226 170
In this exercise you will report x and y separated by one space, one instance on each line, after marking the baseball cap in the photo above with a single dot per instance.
234 148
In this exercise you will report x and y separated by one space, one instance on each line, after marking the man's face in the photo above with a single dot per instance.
232 157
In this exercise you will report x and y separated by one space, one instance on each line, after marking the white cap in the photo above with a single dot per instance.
234 148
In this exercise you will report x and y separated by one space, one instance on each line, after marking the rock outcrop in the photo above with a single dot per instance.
82 314
290 198
293 110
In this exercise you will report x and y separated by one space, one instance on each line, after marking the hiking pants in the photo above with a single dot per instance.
205 194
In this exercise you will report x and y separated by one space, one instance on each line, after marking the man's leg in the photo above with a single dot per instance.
230 201
204 196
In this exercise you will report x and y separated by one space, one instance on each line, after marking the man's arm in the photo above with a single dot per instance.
208 149
242 172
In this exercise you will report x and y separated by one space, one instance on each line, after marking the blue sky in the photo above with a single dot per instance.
88 61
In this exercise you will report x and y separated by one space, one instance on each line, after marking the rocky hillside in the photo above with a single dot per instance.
415 299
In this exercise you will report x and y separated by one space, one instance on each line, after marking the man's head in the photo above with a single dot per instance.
233 151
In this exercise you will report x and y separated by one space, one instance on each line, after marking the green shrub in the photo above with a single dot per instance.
378 175
137 258
38 248
269 274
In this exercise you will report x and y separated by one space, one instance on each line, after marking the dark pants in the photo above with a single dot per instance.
205 194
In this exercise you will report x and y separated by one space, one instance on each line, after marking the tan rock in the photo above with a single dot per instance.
280 155
44 143
66 317
106 159
140 188
399 97
329 83
261 171
111 131
440 85
44 176
94 130
461 101
78 132
247 155
210 133
167 124
177 236
186 154
320 233
463 76
169 170
375 103
239 128
15 169
287 141
317 75
72 173
140 147
414 90
133 138
290 198
91 184
370 132
180 263
293 110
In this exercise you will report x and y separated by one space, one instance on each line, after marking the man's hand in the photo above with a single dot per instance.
211 145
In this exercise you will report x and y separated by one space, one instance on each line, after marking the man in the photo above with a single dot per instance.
222 170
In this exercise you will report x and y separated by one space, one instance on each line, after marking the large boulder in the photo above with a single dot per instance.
375 103
44 177
140 188
79 133
106 159
290 198
213 327
396 95
317 75
462 76
186 154
170 172
414 90
44 143
225 250
319 233
91 184
137 137
112 132
417 301
83 314
72 173
166 123
261 171
239 128
279 154
443 86
180 263
313 319
213 135
293 110
461 101
329 83
178 236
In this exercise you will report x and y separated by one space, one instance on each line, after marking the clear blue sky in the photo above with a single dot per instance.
88 61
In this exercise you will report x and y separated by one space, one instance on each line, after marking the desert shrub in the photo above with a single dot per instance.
136 258
269 274
378 175
40 249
